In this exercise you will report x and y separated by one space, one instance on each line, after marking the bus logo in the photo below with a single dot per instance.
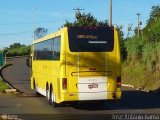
93 85
93 37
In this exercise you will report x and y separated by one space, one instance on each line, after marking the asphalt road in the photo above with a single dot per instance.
132 102
18 75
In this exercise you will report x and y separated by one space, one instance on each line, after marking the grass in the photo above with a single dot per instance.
20 51
3 86
142 66
140 77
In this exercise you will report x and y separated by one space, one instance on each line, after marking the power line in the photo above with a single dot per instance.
15 33
32 22
44 22
78 10
135 18
85 3
26 23
18 33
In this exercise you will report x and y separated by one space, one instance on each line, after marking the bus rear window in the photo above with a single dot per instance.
96 39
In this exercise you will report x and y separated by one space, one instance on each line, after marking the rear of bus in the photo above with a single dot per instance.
92 64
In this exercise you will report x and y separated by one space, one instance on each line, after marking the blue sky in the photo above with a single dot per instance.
16 16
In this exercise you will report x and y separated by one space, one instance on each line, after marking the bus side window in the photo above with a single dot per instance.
47 50
56 48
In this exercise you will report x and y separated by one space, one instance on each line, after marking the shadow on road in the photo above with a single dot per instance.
130 100
19 74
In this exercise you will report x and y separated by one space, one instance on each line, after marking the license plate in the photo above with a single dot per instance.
93 85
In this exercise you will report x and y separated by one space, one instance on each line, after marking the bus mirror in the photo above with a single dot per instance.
29 61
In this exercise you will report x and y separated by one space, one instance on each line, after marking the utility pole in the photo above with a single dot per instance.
110 12
138 14
34 22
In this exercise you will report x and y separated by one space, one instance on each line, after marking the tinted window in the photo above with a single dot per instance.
99 39
47 50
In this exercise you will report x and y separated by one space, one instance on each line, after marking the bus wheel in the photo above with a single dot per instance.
51 98
47 95
35 89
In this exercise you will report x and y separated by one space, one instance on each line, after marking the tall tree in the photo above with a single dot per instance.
16 45
83 19
40 32
152 29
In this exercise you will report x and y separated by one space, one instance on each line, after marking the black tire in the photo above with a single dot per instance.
35 90
36 93
51 98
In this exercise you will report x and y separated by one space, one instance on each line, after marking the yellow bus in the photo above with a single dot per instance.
77 64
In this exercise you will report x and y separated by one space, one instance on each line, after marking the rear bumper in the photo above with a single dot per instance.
91 96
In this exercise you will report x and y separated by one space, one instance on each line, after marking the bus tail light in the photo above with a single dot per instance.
119 82
64 83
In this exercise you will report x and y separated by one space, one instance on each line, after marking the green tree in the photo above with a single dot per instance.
16 45
40 32
152 29
89 20
18 49
83 19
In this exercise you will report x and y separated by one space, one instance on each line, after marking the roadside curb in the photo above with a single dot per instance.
132 86
9 84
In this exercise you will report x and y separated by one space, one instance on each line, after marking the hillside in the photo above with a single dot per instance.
141 67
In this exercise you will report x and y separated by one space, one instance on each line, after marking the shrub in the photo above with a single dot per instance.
20 51
134 48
